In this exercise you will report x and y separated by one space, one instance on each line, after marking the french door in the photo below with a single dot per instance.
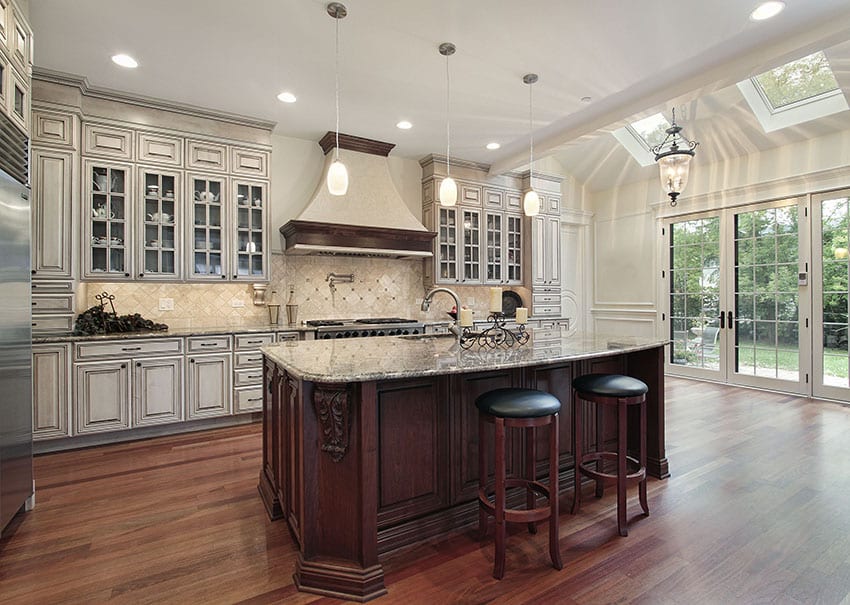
738 296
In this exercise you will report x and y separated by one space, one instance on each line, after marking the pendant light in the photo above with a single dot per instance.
337 172
674 162
531 201
448 188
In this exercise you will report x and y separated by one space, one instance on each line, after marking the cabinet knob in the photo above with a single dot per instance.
141 274
33 271
138 364
191 361
223 277
123 365
234 277
126 275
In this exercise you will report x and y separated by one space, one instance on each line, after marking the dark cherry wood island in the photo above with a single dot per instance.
371 444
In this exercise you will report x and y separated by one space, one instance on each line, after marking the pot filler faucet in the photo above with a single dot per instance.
426 304
333 279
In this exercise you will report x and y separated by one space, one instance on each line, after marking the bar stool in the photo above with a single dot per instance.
518 408
622 392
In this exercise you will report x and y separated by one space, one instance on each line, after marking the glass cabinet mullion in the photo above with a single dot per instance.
493 242
471 245
250 232
159 218
207 228
448 245
513 249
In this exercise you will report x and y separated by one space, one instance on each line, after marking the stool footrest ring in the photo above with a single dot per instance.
637 475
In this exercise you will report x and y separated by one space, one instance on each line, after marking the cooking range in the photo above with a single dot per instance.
372 326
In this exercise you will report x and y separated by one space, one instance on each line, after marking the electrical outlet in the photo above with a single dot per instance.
237 303
166 304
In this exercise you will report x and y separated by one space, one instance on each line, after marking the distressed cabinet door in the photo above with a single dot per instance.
157 390
102 401
51 394
208 391
54 197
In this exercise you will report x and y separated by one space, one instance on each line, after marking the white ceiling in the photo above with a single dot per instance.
633 58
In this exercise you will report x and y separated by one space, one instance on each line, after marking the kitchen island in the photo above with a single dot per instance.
371 444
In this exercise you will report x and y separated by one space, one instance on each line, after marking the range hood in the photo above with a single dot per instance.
371 219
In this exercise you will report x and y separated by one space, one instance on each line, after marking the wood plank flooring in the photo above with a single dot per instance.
756 511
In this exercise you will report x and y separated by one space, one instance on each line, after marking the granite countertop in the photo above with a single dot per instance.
170 333
391 357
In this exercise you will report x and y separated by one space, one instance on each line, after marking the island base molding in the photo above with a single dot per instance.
340 581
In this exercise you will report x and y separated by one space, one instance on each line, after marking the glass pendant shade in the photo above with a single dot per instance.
531 203
448 192
337 178
674 172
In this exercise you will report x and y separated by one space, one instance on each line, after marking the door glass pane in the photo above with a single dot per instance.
695 292
766 294
835 229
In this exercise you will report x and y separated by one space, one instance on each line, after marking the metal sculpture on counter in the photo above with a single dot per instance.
496 335
97 320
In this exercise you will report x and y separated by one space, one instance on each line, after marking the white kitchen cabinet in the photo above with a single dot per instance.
545 250
55 187
101 396
107 214
503 240
208 390
159 218
248 371
156 148
108 141
208 221
250 240
157 390
51 391
52 128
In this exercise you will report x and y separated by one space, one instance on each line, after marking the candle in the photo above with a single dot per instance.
465 318
495 300
521 315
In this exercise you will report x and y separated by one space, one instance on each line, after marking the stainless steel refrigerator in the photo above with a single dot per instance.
16 477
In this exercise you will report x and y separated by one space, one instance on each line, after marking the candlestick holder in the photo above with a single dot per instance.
495 335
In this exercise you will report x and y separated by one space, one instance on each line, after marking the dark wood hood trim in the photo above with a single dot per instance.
352 143
313 233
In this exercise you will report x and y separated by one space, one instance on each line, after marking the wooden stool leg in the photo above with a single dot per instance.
499 562
600 440
530 499
554 551
577 453
482 475
622 431
642 485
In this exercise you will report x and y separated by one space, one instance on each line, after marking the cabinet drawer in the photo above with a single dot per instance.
53 303
249 162
53 286
108 141
546 310
129 348
546 299
208 344
56 129
287 336
159 149
52 323
252 359
202 155
248 400
246 378
247 342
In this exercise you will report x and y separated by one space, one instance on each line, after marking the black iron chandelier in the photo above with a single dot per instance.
674 156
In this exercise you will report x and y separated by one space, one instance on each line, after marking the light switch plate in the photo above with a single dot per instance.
166 304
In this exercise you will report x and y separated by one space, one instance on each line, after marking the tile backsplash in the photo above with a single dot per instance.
382 287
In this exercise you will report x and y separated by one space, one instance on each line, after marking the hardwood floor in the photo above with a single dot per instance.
756 511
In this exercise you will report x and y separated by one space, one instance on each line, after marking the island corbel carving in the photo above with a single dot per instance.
333 409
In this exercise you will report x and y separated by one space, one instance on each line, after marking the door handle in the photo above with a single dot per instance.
729 319
722 320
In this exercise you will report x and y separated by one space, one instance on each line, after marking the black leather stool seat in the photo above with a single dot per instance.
610 385
518 403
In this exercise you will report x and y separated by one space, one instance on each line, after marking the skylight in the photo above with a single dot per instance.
794 93
800 80
639 136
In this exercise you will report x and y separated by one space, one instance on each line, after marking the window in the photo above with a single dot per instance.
638 137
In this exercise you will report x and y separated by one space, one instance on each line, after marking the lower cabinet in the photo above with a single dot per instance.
51 391
208 391
157 391
102 396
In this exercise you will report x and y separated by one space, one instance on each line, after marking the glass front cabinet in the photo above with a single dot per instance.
108 222
159 220
251 237
208 228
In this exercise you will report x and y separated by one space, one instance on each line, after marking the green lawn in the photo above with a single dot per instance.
835 360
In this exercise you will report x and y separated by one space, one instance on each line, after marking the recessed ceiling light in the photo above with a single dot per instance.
404 125
125 61
286 97
492 146
586 99
766 10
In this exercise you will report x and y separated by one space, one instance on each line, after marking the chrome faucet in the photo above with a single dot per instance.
426 304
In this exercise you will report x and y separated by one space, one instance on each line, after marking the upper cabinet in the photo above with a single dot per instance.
15 64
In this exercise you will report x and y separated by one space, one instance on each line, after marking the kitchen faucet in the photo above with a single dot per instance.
333 279
426 304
